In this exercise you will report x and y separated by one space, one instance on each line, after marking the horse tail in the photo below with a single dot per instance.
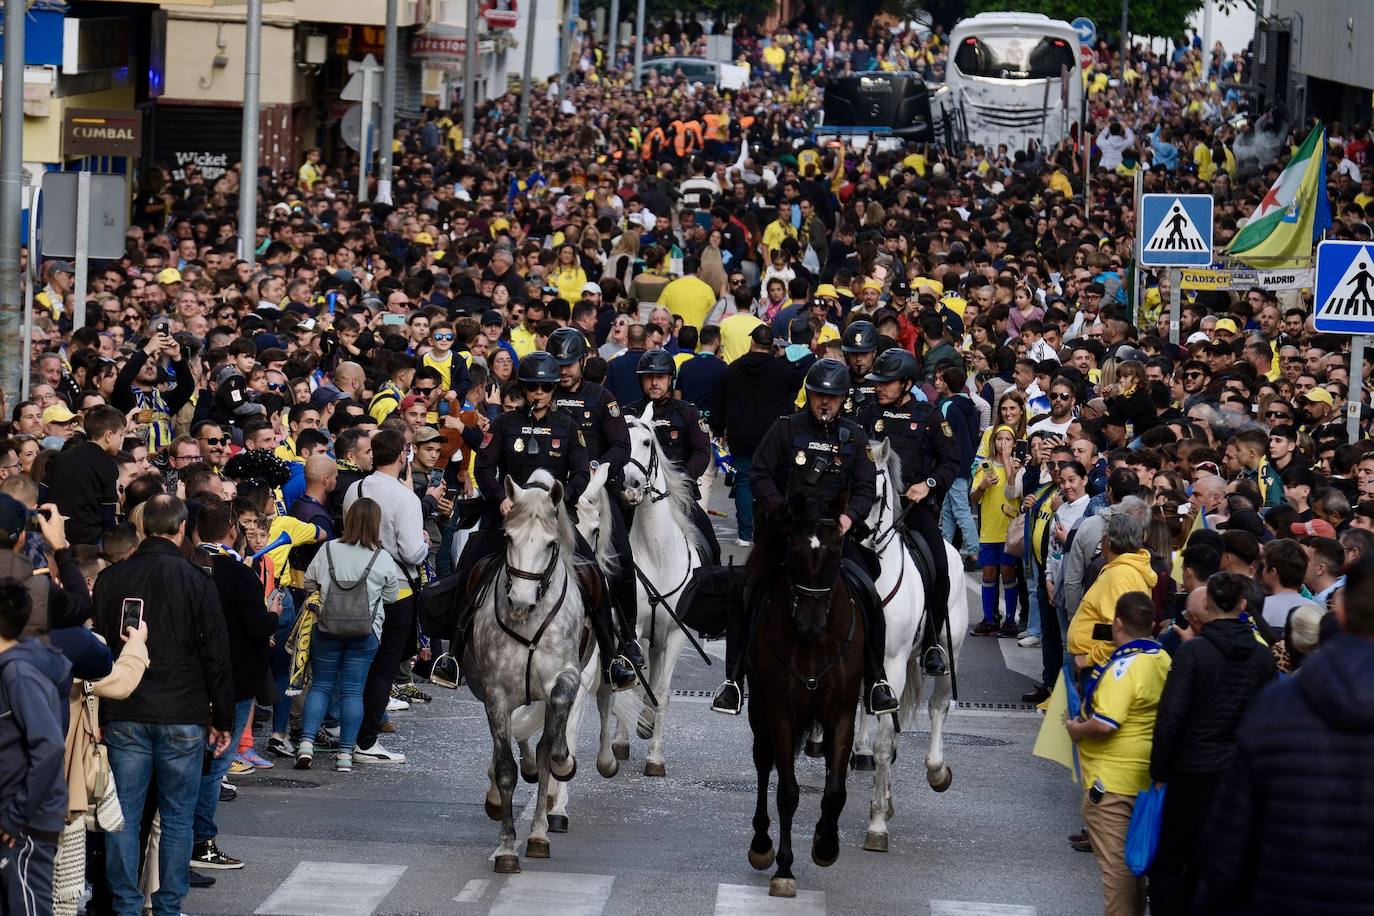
911 692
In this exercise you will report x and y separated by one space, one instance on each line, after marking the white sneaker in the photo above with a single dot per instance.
1028 642
377 754
741 542
395 705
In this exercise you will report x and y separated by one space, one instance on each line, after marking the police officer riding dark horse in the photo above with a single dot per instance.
598 416
815 455
924 442
534 437
680 431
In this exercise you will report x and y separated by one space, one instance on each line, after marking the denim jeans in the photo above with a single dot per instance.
208 803
280 664
744 498
139 753
956 511
338 669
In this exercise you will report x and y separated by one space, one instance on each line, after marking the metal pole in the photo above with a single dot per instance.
1356 394
248 155
365 141
1125 37
639 42
527 78
12 347
389 65
83 245
571 51
35 246
612 34
1175 303
469 72
1206 38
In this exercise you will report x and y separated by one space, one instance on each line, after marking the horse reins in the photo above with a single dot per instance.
811 683
532 644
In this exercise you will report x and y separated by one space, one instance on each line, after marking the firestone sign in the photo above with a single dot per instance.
101 132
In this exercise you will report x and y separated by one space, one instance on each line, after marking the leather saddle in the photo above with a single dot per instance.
920 553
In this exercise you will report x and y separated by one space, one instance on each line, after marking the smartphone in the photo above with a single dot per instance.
1021 450
163 327
393 319
1097 791
452 494
130 614
31 524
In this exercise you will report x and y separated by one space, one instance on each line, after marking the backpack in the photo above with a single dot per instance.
346 612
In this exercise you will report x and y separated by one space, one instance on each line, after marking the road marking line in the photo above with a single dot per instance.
332 889
566 893
473 890
748 900
970 908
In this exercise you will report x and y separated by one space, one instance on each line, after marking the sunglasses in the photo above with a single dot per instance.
427 391
215 441
276 386
1277 415
1060 396
539 386
444 337
1194 374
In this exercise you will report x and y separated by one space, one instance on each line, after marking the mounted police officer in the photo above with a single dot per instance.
598 416
536 436
924 442
817 454
860 345
680 430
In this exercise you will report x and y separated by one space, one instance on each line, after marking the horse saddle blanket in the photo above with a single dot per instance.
715 594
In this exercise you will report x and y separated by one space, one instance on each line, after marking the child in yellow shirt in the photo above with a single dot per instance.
997 508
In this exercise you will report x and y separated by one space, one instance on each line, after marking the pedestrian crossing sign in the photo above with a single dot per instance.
1344 301
1176 230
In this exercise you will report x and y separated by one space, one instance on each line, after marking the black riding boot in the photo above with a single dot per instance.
729 698
708 535
615 668
879 699
627 613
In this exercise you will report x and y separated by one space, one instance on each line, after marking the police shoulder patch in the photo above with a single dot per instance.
580 440
613 408
704 428
945 428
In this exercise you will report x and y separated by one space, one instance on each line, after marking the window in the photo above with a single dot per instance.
1014 57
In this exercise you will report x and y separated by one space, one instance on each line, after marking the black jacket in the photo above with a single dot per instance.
1211 684
247 622
757 389
188 681
83 484
1292 828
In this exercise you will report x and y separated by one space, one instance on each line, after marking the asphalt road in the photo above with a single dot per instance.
413 838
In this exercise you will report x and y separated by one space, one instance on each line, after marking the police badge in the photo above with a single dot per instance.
801 458
519 445
613 409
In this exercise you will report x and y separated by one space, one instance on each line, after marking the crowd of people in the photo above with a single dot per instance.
209 468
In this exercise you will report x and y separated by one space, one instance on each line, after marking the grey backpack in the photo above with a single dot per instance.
346 612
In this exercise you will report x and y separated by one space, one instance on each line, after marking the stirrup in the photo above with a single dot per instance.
631 652
935 661
445 672
881 700
729 699
620 674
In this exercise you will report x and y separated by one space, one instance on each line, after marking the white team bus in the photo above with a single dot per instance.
1015 77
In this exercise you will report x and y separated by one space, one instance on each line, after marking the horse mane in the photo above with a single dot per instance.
680 498
606 557
525 514
894 468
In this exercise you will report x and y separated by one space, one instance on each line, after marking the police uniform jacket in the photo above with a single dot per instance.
520 444
922 439
800 455
597 414
681 433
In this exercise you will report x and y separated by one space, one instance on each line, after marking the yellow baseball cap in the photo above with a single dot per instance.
927 281
59 413
423 238
169 275
1316 395
1226 324
872 284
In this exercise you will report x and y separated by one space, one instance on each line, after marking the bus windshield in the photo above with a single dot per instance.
1014 57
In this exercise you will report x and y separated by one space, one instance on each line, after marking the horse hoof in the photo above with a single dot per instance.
530 774
814 750
621 751
607 770
493 809
821 860
782 887
507 865
558 823
536 848
655 769
940 781
875 842
865 762
565 777
761 861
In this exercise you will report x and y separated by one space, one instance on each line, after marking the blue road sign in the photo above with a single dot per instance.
1344 301
1087 32
1176 230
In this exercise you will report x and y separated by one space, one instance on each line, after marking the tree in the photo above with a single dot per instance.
1157 18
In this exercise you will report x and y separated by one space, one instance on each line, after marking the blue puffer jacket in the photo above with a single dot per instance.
1292 828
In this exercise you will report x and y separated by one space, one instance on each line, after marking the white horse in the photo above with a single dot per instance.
593 521
904 605
525 649
667 548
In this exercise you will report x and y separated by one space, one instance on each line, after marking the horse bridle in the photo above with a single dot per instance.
650 472
543 578
884 538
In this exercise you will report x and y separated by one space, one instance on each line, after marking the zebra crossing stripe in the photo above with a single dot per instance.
332 889
565 893
748 900
971 908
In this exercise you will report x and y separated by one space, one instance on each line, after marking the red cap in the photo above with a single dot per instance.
1316 528
409 401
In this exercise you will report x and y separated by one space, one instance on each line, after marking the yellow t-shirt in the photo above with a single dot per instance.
1126 698
522 339
384 402
734 335
774 233
302 533
995 510
690 297
774 56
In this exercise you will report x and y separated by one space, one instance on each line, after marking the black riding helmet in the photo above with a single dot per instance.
859 337
567 345
538 367
894 365
828 376
657 362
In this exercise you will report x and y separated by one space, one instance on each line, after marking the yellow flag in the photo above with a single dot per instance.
1053 742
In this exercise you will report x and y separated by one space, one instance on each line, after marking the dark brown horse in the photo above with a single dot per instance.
807 667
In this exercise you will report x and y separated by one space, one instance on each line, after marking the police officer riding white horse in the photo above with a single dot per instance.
537 436
924 441
680 430
814 455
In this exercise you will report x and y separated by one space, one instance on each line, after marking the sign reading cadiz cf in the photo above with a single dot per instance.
499 14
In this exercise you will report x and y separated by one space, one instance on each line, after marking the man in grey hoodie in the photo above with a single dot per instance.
33 790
